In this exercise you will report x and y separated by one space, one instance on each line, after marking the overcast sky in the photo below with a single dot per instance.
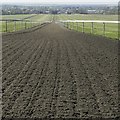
59 1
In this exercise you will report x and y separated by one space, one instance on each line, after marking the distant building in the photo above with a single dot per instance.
47 12
91 11
59 12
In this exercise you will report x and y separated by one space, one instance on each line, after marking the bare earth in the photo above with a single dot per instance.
54 72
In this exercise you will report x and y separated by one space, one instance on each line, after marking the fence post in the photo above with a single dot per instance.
77 26
25 24
92 27
21 24
28 24
104 29
14 25
73 26
83 27
68 25
6 26
31 23
64 24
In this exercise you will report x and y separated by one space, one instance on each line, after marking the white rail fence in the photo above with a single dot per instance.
72 23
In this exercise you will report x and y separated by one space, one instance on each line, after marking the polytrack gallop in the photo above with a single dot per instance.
55 72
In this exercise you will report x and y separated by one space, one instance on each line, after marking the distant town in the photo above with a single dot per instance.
59 9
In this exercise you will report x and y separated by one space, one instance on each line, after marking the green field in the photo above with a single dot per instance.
111 29
20 16
20 25
41 18
87 17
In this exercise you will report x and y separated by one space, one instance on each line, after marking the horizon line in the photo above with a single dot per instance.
58 3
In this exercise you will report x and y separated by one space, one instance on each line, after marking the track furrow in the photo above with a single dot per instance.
22 62
53 110
53 72
17 86
86 99
35 93
98 85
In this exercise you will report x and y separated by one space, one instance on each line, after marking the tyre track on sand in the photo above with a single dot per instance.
9 44
18 66
17 86
53 111
45 97
73 93
28 111
14 56
25 68
106 104
16 59
22 101
107 63
87 105
11 48
19 38
66 99
16 40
